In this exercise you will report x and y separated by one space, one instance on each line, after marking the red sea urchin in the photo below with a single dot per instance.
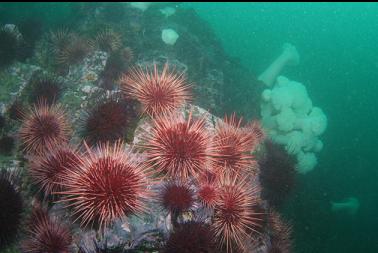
109 182
277 173
207 194
108 40
177 197
158 92
281 241
47 170
59 39
178 147
75 51
109 120
234 213
191 237
46 234
16 110
256 130
45 87
11 206
233 145
44 127
2 121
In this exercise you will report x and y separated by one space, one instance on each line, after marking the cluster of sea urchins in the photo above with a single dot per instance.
101 184
185 149
197 165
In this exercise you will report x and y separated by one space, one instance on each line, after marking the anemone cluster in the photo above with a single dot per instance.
136 147
291 120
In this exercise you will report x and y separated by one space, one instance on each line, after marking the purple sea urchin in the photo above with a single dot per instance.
109 120
176 197
277 173
11 207
45 87
191 237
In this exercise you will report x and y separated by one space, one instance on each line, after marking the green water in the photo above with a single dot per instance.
338 45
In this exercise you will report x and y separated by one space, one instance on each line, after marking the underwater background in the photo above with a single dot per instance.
338 46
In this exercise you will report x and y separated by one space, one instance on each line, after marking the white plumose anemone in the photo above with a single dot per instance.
169 36
291 120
